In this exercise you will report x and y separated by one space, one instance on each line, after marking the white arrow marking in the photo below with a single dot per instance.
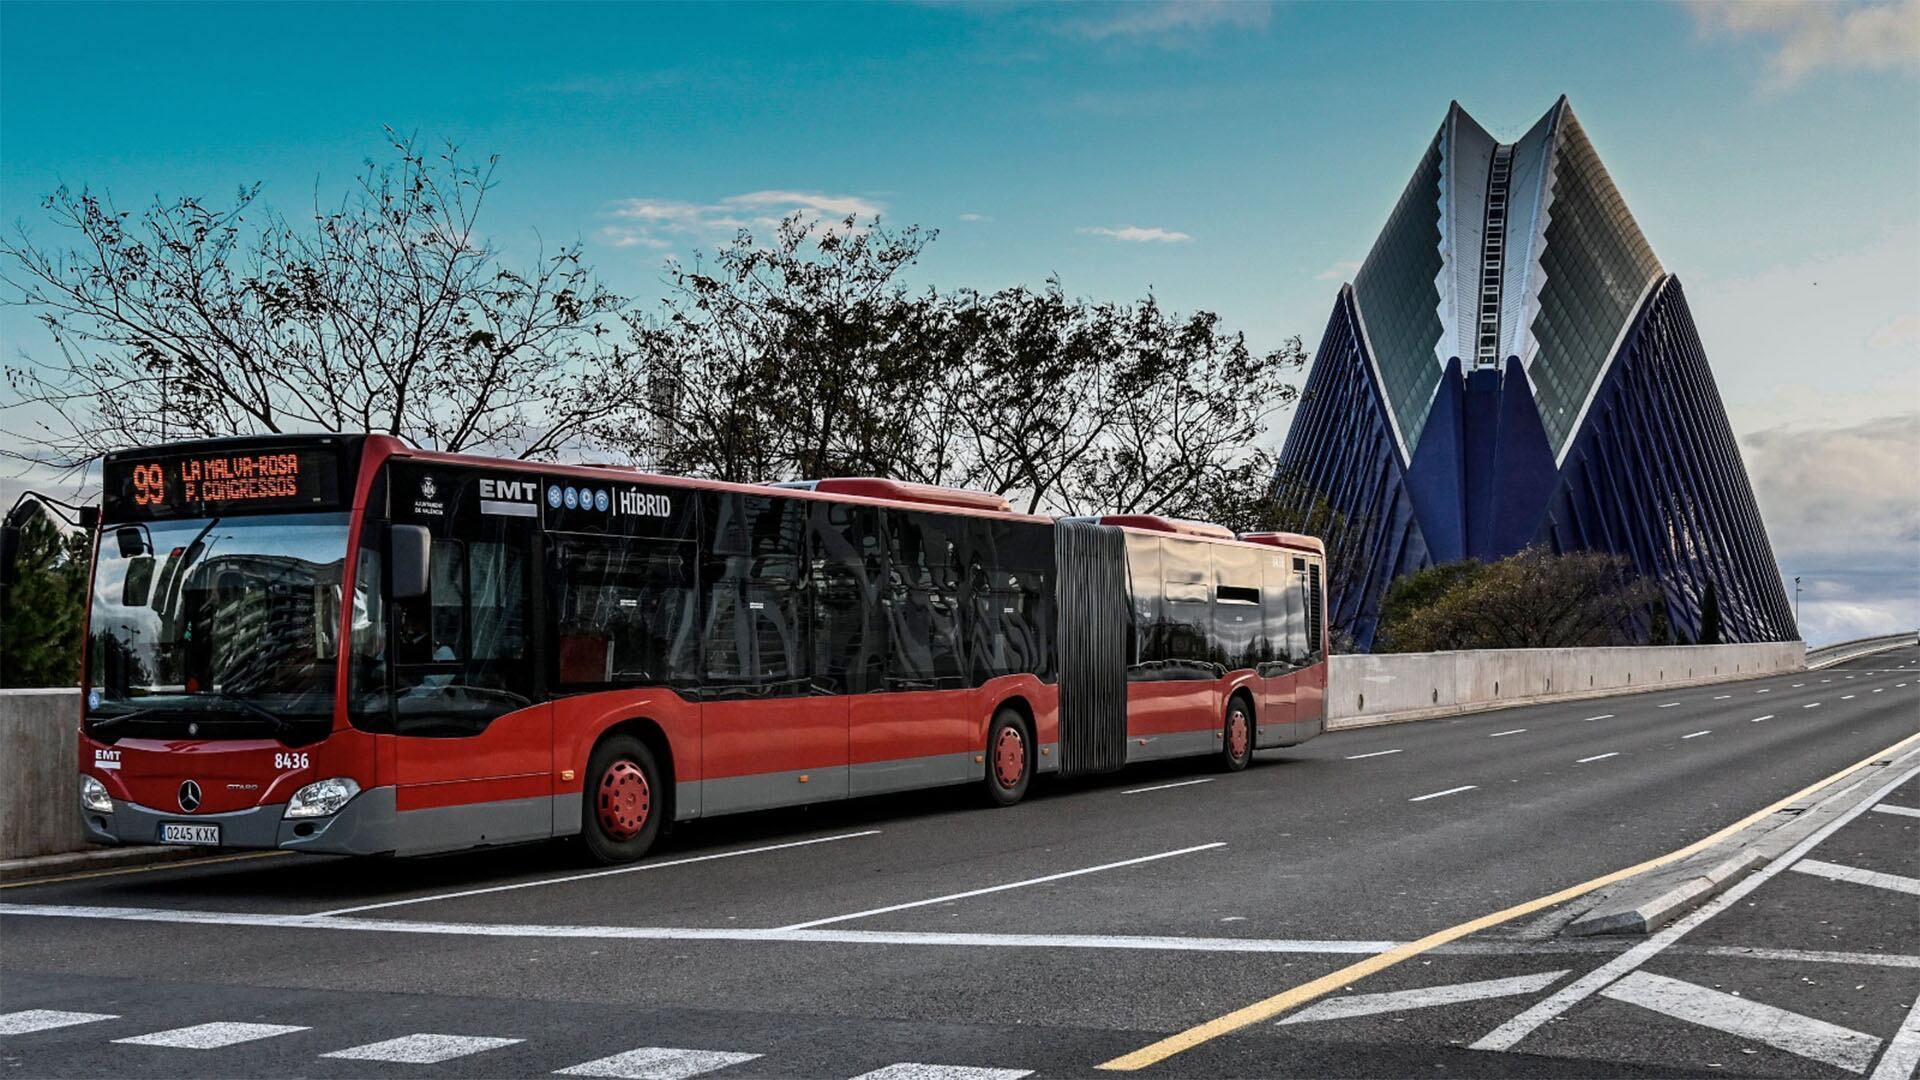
1339 1008
1746 1019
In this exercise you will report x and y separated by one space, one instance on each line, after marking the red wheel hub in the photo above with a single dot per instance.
1009 758
625 800
1237 733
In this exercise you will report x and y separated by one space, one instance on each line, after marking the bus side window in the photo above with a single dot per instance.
924 603
623 612
848 560
1149 621
1298 649
1187 569
432 628
756 622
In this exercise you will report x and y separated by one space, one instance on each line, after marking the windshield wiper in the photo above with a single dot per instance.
281 725
97 724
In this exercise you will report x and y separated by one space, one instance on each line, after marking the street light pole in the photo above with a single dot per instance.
1796 603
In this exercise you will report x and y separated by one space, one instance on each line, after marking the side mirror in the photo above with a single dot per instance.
9 547
131 540
410 559
138 588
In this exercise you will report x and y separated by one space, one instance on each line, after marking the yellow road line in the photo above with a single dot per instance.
1268 1008
144 869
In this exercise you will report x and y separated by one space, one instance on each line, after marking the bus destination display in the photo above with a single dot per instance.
196 483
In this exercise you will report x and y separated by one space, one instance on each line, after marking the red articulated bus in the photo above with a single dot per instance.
343 644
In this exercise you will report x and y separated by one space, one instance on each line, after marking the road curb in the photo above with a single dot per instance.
1644 904
73 862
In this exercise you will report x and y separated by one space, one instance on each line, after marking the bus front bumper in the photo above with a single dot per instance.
368 825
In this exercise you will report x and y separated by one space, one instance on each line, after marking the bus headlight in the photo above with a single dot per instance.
321 798
93 795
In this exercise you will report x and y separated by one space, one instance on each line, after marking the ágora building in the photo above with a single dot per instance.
1513 365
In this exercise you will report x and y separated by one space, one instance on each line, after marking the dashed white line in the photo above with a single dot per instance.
1449 791
1903 811
1376 753
1748 1019
1163 787
1670 705
657 1063
28 1021
1003 888
1341 1008
1766 691
422 1049
1602 716
212 1036
637 867
1757 719
1598 757
1902 1059
914 1070
1797 685
1697 734
1879 689
1721 697
1515 731
1811 705
1857 876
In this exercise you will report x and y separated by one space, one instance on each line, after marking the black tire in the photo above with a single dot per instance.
1009 758
623 801
1235 753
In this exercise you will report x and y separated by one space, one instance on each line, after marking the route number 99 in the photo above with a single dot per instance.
289 761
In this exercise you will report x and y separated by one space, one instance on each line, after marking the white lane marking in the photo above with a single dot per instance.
1598 757
422 1049
1857 876
27 1021
657 1063
1810 956
1903 811
1449 791
1669 704
1826 680
1879 689
1847 697
1602 716
1510 1033
914 1070
1757 719
1697 734
1515 731
1902 1059
1798 685
1813 705
1721 697
809 924
1340 1008
1163 787
212 1036
680 933
599 873
1769 691
1748 1019
1376 753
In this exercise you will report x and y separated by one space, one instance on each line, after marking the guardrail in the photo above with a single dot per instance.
1828 655
1386 688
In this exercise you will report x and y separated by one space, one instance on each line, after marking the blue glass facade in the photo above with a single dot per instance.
1600 430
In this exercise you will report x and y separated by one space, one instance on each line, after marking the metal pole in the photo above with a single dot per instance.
1796 603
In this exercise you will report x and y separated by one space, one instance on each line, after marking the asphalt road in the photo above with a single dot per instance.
1097 918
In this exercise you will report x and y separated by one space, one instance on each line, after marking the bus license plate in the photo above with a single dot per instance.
208 835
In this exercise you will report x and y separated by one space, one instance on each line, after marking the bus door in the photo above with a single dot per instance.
475 746
1280 606
768 737
915 725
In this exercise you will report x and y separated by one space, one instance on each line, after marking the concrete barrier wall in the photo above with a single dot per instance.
40 787
1829 655
1387 688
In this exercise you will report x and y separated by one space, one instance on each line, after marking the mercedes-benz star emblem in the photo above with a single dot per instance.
189 796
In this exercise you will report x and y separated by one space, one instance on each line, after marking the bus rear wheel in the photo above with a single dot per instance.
1009 758
620 815
1237 736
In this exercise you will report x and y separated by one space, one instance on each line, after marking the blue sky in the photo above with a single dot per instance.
1237 157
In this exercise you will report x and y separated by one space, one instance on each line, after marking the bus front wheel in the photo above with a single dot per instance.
1009 758
1237 736
624 801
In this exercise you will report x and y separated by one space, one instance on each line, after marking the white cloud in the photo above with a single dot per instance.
1134 234
659 224
1170 21
975 217
1842 508
1902 333
1809 35
1340 271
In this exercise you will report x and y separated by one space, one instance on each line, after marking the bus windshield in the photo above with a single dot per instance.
232 620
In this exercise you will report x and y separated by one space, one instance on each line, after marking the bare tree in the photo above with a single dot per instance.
388 313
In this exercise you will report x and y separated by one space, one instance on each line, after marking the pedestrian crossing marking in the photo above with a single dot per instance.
422 1048
657 1063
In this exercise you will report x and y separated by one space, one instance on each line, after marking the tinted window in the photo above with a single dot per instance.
1186 569
848 565
923 602
756 617
624 612
1143 580
1009 599
461 653
1238 630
